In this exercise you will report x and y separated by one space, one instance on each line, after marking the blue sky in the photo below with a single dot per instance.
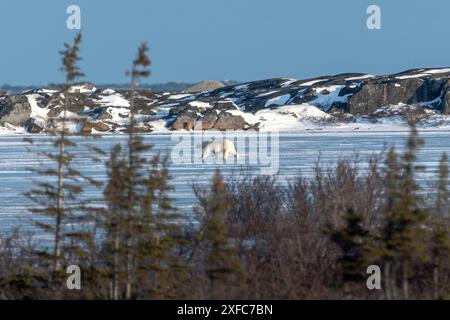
191 40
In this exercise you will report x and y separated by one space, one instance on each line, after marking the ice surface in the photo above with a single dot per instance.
297 152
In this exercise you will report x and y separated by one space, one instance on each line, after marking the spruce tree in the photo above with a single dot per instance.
405 217
56 193
141 228
442 199
112 222
219 258
126 169
135 173
440 231
161 269
352 239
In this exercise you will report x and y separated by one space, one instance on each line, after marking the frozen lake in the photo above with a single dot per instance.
295 152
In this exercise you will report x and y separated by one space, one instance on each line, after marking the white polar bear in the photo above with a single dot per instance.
224 146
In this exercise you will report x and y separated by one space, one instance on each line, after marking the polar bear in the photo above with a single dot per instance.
224 146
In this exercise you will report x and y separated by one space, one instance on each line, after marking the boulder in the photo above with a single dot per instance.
146 111
100 126
32 127
208 120
227 121
224 105
253 127
15 110
139 129
97 126
102 113
186 109
206 85
183 121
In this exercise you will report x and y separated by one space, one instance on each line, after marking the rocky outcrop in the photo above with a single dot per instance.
227 121
205 85
415 91
185 121
376 94
15 110
32 127
97 126
210 105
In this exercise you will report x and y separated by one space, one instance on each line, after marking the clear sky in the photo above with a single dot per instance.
191 40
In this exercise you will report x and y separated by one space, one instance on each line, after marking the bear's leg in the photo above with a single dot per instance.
206 152
232 151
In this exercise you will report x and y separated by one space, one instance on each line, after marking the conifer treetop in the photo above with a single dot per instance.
70 57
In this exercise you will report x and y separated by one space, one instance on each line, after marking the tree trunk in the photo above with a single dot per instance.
435 282
116 267
131 164
59 205
347 293
387 280
405 285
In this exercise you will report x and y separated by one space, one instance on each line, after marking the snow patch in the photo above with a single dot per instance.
278 101
114 100
325 101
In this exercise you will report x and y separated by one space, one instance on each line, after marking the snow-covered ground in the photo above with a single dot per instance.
296 152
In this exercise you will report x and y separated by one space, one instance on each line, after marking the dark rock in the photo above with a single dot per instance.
227 121
99 113
224 105
430 90
186 109
376 94
139 129
445 100
32 127
341 116
54 112
100 126
140 103
147 111
183 121
254 127
97 126
15 110
208 120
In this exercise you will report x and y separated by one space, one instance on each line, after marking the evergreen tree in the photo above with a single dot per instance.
442 199
112 221
135 174
403 231
57 195
439 231
142 229
219 258
352 240
125 188
440 256
160 268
